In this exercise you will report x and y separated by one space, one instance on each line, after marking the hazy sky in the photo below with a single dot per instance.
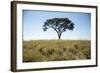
34 20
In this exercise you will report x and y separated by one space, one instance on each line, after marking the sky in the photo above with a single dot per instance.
33 20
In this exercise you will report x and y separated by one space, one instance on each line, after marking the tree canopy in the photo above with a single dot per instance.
59 25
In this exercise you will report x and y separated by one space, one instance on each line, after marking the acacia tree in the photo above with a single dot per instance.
59 25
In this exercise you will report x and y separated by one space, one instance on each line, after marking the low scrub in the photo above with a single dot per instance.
56 50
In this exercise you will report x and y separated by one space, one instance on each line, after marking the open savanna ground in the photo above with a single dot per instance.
56 50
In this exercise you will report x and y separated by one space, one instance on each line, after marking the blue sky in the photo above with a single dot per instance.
34 20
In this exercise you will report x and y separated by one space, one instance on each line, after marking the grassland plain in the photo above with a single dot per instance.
56 50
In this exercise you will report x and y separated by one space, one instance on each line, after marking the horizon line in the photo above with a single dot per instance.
57 39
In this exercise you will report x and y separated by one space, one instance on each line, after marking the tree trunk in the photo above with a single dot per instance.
59 36
58 33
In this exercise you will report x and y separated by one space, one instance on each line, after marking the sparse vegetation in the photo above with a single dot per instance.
56 50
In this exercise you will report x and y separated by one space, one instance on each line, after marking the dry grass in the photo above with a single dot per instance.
56 50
